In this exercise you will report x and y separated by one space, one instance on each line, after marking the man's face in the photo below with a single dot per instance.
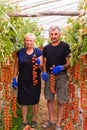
54 35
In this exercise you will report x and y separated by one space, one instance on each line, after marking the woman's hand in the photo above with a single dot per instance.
37 61
14 83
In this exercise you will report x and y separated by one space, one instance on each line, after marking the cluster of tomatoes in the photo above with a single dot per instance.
34 70
52 81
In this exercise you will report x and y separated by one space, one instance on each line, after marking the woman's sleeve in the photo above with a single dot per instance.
38 52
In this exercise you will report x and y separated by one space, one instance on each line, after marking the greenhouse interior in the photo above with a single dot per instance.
21 17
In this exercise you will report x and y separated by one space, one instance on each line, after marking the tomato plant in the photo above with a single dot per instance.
76 33
13 29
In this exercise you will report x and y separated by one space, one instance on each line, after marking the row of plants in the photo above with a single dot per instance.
12 31
75 33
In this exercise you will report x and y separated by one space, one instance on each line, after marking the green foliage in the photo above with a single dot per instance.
83 5
1 121
13 29
75 34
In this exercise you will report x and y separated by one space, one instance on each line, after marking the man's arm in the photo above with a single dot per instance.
67 65
44 74
44 64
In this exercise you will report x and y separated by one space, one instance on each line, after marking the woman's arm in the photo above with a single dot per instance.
41 62
16 66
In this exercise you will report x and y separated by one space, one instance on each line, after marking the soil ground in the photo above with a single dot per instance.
43 111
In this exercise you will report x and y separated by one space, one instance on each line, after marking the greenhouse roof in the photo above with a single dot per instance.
45 6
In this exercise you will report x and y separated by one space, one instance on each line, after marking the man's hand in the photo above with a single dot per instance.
14 83
57 69
44 76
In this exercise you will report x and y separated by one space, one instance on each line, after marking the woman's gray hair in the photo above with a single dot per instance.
30 34
54 28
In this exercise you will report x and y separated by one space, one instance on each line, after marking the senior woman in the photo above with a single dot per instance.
28 92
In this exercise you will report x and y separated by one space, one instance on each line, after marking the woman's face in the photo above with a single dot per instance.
29 42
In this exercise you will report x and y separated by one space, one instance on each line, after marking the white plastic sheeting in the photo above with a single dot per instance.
34 6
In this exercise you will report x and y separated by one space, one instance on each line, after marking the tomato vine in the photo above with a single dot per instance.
13 29
76 33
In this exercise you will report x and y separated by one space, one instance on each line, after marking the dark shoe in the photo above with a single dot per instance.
33 124
25 124
58 128
47 124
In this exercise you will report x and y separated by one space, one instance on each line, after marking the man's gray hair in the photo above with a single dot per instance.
54 28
